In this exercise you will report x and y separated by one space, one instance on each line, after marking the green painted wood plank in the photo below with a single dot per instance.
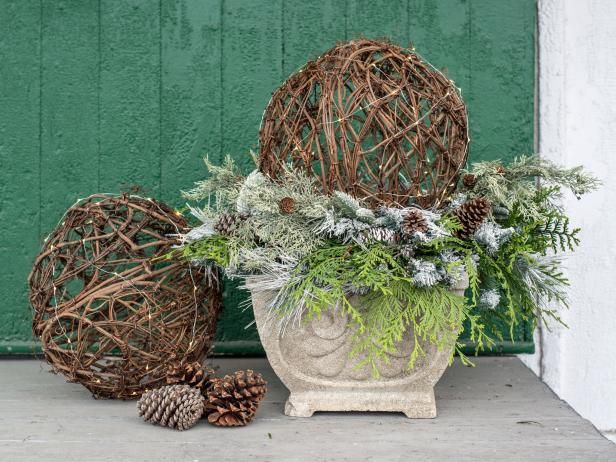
69 106
20 31
191 92
251 71
440 32
501 100
219 64
308 31
378 19
130 96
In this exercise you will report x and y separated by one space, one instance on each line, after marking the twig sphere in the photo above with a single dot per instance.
371 119
111 314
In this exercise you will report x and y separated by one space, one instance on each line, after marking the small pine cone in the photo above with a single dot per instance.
469 180
471 215
414 222
232 401
192 374
248 385
173 406
287 205
228 222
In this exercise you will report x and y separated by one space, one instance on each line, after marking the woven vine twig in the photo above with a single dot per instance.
371 119
110 313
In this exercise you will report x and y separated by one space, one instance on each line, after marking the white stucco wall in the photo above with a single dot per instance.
577 125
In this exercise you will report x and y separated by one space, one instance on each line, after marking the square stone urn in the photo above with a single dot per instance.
312 360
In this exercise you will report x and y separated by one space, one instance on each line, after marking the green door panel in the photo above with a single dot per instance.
105 96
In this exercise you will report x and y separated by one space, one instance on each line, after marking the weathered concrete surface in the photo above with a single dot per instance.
496 411
312 359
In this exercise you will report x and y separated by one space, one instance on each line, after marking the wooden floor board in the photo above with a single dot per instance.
497 410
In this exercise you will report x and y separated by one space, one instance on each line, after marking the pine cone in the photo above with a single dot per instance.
233 400
192 374
173 406
469 180
471 214
287 205
414 222
228 222
248 385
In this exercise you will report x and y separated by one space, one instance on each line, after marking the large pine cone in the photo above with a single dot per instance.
232 401
414 222
192 374
471 215
173 406
228 223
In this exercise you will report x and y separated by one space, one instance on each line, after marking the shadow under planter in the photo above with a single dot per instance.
313 361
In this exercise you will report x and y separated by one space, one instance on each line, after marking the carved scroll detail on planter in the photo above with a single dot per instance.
325 345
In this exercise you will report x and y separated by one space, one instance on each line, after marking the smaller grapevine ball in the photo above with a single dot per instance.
110 309
371 119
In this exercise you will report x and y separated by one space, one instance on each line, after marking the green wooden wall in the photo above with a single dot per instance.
102 95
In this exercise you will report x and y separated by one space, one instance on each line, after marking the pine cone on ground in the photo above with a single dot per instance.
287 205
192 374
228 222
469 180
173 406
414 222
232 401
471 215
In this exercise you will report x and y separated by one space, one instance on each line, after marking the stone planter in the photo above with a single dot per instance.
312 360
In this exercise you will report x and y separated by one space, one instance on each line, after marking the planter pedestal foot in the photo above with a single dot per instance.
298 407
415 404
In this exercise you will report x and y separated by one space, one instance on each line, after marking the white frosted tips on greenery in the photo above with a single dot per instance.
254 182
514 187
457 200
492 236
345 229
198 233
489 299
224 180
365 214
424 273
345 203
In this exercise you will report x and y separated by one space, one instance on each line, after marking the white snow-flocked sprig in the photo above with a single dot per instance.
492 236
489 299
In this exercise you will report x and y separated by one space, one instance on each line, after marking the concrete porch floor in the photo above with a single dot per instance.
497 411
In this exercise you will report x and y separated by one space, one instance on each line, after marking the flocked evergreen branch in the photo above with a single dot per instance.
515 187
